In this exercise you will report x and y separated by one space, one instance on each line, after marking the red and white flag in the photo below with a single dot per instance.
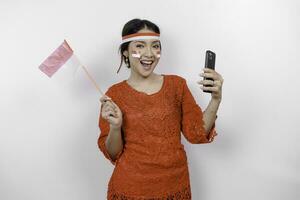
63 64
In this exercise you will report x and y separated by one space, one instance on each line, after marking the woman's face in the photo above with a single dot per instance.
143 54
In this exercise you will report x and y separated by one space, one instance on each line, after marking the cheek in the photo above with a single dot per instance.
157 54
136 54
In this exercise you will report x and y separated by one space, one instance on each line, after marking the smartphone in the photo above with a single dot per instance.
210 60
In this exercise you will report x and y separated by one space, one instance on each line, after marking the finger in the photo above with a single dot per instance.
106 107
115 106
213 89
212 71
208 70
108 103
209 75
218 83
103 114
111 114
111 104
105 98
221 80
206 82
107 115
109 109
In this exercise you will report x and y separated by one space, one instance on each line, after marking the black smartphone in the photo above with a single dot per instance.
210 60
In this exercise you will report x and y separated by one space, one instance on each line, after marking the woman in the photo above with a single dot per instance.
142 119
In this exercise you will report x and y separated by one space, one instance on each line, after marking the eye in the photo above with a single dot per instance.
156 46
139 46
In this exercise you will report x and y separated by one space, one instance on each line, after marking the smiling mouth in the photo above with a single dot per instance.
147 63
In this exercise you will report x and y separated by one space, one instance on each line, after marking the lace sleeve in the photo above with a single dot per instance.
104 131
192 124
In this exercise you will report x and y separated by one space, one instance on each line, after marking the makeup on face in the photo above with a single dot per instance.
141 52
143 35
158 54
138 53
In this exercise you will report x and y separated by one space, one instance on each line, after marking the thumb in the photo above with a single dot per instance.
115 105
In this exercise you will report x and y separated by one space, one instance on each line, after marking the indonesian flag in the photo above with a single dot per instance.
62 65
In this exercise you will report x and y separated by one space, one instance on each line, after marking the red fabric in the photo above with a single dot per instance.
153 163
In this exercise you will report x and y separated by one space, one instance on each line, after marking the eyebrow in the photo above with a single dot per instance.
145 42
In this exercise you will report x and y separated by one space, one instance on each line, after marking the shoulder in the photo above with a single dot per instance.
176 78
177 84
177 81
114 89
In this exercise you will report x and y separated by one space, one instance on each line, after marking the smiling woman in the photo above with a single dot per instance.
140 46
142 121
139 35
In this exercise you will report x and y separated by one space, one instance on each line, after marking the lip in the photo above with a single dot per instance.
147 67
147 60
151 61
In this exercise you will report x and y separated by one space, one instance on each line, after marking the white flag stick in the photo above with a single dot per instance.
91 78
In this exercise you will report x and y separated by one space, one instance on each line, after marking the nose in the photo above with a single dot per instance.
148 52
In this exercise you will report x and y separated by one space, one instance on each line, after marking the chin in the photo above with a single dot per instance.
146 72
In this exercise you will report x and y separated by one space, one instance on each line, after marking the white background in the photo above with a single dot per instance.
48 144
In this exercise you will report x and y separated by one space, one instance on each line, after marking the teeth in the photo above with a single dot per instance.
147 62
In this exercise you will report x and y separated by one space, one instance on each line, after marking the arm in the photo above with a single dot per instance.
110 140
209 115
192 121
114 142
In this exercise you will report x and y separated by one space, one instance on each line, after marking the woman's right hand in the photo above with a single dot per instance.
111 112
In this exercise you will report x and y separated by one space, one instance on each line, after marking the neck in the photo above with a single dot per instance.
136 78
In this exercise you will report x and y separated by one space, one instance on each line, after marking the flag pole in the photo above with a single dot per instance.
91 78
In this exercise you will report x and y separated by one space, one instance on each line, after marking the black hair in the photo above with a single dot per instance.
131 27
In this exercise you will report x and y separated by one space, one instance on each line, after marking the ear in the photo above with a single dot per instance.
125 53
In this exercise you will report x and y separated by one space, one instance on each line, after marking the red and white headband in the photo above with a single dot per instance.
140 36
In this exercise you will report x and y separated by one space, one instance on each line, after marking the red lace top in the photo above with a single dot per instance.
153 162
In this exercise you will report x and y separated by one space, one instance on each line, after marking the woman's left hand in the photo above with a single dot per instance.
214 86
